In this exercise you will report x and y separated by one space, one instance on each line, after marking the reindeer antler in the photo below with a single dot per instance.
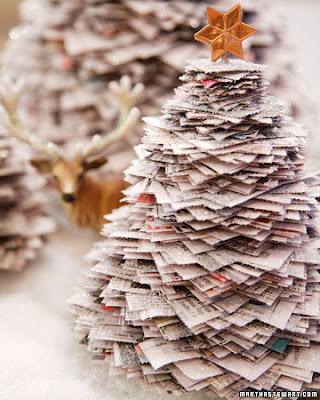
128 116
10 93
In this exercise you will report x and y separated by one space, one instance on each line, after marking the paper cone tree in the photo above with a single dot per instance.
68 52
208 280
23 212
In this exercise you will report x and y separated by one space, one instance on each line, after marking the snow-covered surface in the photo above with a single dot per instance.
40 358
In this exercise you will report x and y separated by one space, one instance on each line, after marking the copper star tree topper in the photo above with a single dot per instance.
225 32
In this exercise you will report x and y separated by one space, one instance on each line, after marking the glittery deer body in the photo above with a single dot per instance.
90 210
85 199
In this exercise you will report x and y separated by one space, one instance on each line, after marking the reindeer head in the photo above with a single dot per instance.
68 174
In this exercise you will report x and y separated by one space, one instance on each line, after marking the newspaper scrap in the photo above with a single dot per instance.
213 265
24 221
68 51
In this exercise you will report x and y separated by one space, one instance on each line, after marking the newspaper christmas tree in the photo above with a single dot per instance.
208 280
68 51
24 221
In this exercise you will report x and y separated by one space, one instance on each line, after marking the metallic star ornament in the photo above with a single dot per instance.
225 32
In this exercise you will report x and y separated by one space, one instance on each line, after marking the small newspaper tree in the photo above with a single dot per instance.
23 212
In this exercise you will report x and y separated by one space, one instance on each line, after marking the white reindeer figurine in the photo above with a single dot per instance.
85 199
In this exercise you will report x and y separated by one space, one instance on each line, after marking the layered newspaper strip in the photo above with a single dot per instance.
24 222
68 52
208 280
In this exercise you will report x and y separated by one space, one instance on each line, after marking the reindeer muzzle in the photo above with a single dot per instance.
68 197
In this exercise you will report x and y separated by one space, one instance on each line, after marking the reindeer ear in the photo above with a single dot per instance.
42 164
95 163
